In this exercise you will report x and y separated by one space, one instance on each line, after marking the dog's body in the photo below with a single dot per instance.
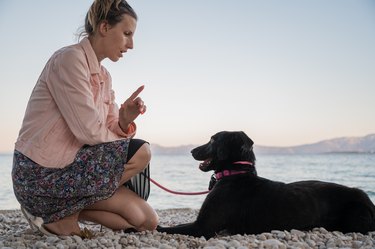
243 203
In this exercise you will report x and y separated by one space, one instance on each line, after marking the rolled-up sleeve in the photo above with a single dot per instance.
69 84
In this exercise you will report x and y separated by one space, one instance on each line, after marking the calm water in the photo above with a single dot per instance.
181 173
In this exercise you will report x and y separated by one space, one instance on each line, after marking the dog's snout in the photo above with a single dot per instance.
193 151
201 152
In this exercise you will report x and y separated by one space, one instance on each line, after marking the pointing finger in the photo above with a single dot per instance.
137 92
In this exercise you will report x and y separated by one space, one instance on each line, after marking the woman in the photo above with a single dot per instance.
75 148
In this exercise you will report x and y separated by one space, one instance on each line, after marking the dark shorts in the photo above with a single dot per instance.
134 145
54 193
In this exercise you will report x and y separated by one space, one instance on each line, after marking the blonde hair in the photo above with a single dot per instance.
111 11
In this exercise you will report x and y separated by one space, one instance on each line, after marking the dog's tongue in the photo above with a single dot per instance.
204 164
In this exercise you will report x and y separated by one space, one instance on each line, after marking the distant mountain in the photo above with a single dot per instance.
177 150
364 144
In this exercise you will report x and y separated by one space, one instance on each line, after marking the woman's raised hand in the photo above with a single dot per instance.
131 108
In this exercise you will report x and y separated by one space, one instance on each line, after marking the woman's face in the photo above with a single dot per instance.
119 38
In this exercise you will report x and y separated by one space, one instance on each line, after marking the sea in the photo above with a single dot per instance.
180 173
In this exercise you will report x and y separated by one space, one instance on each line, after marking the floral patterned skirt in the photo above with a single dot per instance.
54 193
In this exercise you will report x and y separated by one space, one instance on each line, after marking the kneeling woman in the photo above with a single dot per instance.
75 149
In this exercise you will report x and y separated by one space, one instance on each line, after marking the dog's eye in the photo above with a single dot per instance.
211 141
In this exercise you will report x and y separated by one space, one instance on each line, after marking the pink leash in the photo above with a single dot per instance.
194 193
176 192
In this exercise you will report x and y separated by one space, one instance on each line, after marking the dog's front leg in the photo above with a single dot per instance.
191 229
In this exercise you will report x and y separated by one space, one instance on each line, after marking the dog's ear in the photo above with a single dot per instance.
247 145
246 140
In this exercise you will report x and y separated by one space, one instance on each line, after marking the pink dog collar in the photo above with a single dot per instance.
224 173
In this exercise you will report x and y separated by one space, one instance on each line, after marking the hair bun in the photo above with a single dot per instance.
106 10
99 10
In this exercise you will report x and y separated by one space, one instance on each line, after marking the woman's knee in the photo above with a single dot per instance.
139 213
145 152
142 157
150 222
153 222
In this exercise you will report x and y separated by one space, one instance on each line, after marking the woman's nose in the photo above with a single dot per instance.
130 43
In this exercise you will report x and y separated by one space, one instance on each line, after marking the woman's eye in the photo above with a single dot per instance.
128 33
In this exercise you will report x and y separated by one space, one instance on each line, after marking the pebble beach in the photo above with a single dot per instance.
16 233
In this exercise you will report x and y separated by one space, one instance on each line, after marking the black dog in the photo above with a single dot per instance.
242 203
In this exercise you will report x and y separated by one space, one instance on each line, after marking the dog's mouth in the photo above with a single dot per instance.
205 165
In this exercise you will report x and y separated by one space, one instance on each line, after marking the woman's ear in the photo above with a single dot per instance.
104 27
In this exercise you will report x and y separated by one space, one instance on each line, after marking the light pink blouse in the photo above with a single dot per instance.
72 104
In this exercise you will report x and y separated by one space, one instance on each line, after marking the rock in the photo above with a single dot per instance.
233 243
82 246
40 245
273 244
60 246
297 233
52 239
262 237
357 244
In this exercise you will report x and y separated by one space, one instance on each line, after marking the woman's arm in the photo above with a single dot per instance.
69 84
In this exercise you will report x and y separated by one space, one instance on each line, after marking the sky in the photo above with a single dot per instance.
285 72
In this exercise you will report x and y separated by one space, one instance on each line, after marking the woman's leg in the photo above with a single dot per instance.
134 211
137 163
105 218
125 209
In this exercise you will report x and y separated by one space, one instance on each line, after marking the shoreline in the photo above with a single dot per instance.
16 233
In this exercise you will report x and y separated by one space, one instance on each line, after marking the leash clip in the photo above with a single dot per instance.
212 182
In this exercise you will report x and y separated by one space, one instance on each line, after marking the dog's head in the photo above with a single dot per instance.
223 150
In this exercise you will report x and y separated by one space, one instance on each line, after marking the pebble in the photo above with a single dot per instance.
60 246
15 233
